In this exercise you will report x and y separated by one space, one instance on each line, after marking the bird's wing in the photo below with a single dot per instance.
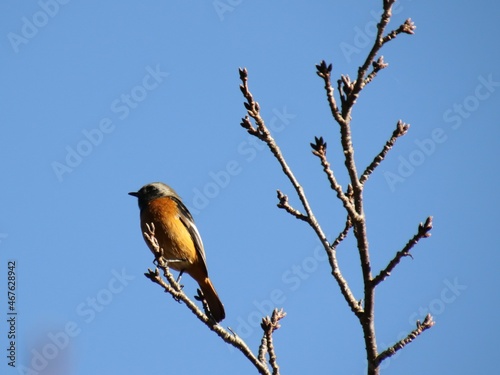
188 222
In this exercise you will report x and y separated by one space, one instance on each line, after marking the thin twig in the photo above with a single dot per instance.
324 72
262 349
377 67
269 325
283 203
319 149
353 303
401 129
360 80
342 235
423 232
343 119
421 327
408 27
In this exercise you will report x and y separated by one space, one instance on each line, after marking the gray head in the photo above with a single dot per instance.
152 191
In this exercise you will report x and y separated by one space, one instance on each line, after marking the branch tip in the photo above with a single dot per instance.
243 73
319 146
283 199
408 27
269 325
345 86
425 228
379 64
272 323
401 129
323 70
428 322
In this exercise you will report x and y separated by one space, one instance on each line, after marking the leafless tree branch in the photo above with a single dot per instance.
324 71
401 129
269 325
175 290
343 234
262 132
360 82
319 149
421 327
352 199
408 27
423 232
283 203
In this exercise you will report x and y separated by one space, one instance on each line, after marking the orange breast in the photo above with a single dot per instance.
172 235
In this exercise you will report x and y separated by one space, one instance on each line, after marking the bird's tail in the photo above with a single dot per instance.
214 304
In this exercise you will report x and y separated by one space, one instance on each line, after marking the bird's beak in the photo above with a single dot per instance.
134 194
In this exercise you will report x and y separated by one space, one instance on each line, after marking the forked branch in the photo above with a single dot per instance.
263 133
269 325
172 287
319 150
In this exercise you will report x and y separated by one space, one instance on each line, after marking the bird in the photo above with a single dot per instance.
178 238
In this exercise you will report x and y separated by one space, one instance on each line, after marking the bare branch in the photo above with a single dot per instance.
421 327
342 235
352 199
353 303
263 349
401 129
263 133
408 27
283 203
175 290
349 92
343 119
269 325
423 232
319 149
377 67
324 72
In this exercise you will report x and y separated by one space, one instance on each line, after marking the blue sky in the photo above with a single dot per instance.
100 98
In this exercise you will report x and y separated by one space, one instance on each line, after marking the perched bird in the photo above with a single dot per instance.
178 238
